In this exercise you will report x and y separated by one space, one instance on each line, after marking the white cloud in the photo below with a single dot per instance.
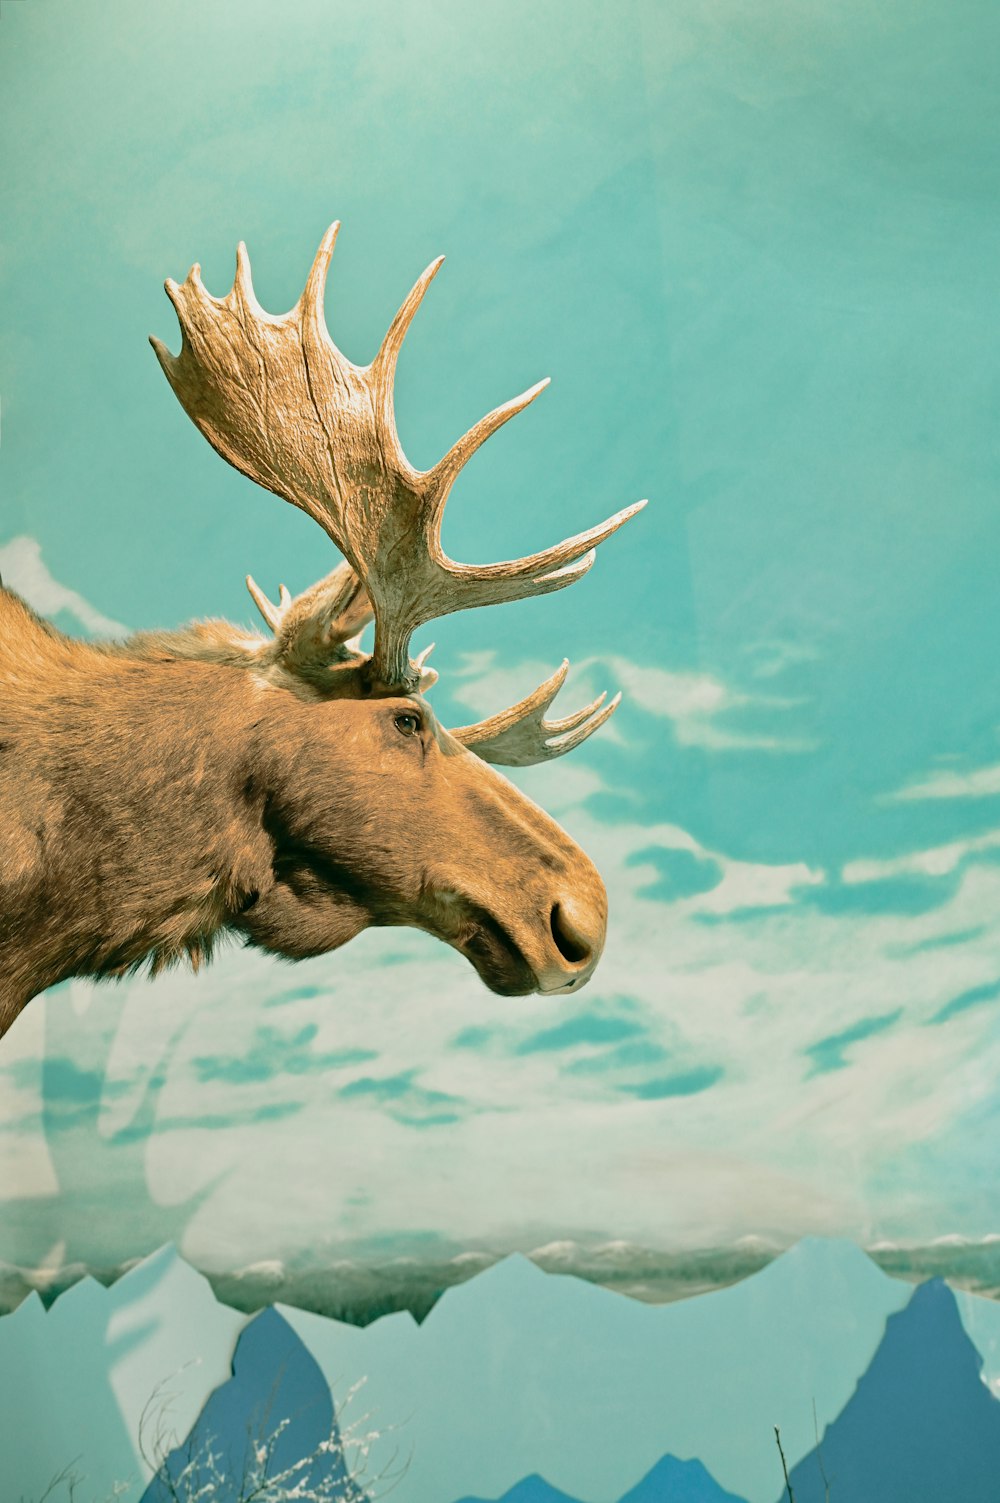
23 568
980 782
773 656
935 861
771 1147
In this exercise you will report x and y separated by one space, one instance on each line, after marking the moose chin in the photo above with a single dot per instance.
288 788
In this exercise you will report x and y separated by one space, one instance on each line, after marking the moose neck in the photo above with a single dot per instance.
132 796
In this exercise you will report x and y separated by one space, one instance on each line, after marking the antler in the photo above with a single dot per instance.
310 629
321 629
277 399
521 736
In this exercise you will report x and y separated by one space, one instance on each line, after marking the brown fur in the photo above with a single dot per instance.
158 794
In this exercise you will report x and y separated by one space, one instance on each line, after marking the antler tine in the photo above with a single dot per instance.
521 736
383 367
315 627
388 355
443 475
310 304
566 743
277 399
578 718
271 613
243 281
428 677
538 573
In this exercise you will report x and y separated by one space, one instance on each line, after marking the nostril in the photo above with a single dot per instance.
570 944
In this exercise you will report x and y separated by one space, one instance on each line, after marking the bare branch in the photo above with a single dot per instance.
784 1468
819 1456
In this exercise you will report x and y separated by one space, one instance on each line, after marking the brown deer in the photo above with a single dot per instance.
290 789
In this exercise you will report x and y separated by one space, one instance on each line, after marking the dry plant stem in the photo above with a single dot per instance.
784 1468
819 1456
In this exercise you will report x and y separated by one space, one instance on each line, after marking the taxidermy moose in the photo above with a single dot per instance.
158 793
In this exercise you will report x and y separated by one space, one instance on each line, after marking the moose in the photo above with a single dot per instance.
288 788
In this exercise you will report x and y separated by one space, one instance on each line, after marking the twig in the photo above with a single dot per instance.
819 1457
784 1468
67 1475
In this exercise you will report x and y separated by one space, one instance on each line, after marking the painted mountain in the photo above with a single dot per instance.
670 1481
922 1427
74 1380
519 1372
519 1376
269 1431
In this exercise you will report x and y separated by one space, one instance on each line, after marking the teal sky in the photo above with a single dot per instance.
757 251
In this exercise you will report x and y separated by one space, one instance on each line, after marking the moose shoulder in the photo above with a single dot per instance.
289 788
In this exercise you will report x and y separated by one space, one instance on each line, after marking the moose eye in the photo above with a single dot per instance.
407 724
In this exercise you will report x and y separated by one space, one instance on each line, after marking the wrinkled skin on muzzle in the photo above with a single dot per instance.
378 816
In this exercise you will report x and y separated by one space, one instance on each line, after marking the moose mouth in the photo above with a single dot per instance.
475 933
497 959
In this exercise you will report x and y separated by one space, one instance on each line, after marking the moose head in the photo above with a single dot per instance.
290 788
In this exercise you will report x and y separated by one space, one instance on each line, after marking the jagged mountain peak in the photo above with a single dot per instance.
680 1482
921 1426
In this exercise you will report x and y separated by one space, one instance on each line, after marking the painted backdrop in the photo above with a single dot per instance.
756 249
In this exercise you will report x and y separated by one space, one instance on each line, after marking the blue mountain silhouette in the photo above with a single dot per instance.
673 1481
275 1380
532 1489
921 1426
670 1481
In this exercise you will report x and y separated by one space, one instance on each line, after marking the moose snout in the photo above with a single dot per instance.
577 926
